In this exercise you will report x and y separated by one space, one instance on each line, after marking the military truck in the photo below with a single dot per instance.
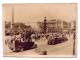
21 42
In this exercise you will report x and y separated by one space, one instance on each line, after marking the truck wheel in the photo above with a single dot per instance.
34 46
21 49
49 43
13 49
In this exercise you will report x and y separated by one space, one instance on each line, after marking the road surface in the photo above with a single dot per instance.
63 49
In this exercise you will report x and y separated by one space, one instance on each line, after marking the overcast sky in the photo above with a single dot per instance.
28 13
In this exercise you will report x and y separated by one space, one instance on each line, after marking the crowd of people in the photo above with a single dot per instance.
28 36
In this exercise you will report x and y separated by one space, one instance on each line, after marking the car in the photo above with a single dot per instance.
55 41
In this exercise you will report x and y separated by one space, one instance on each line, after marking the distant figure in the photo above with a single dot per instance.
50 37
27 36
64 36
56 35
32 37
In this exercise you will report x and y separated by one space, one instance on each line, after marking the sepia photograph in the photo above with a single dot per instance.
39 29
